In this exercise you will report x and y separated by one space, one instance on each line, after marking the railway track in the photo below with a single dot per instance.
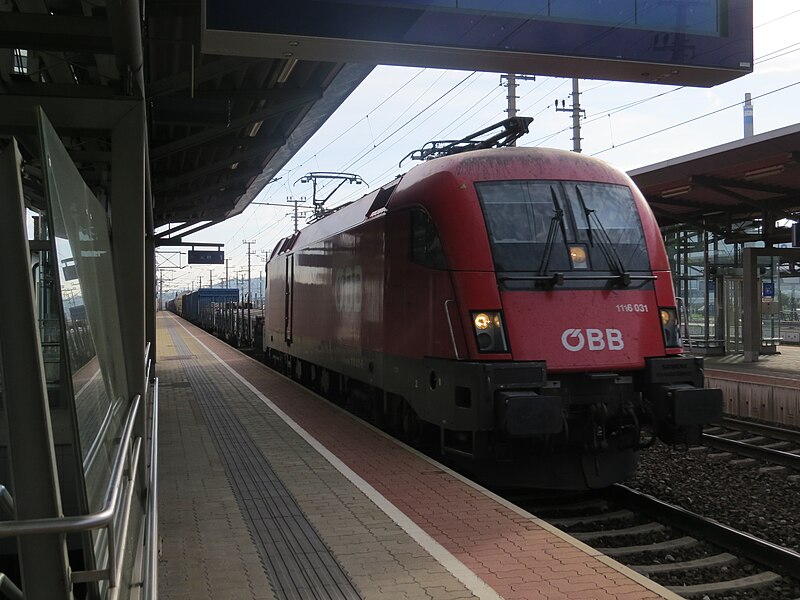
692 555
764 442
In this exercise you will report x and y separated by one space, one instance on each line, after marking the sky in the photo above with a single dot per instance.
398 109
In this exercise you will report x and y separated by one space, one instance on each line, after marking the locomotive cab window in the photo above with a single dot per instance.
547 227
426 247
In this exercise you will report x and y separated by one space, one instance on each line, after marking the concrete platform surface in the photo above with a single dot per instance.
268 491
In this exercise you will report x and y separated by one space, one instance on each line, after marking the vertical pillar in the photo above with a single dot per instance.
751 307
706 291
128 244
150 258
43 558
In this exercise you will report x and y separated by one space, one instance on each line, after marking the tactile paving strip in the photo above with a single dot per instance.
299 564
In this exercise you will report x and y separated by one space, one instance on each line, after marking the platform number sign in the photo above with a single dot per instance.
768 289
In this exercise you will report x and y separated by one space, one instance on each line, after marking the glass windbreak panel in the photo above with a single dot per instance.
534 226
92 340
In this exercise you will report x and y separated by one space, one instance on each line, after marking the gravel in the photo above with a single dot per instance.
763 504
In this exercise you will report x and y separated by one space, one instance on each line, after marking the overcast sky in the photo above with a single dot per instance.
398 109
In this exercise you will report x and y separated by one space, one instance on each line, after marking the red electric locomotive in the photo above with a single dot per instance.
515 305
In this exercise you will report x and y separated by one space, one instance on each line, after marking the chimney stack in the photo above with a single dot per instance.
748 116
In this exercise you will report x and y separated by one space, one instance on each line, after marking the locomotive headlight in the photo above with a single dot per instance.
489 332
577 256
670 327
482 321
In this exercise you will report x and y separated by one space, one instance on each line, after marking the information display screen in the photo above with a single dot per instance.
206 257
694 42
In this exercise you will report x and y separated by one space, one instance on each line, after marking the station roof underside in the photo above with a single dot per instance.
219 127
724 187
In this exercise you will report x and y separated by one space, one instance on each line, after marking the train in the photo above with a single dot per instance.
510 308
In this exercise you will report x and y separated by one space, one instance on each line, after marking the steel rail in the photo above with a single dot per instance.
778 433
777 457
760 551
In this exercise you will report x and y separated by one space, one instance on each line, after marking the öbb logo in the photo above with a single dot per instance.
574 340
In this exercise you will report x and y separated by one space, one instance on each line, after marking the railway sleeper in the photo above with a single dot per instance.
761 580
617 515
675 544
716 561
589 536
598 504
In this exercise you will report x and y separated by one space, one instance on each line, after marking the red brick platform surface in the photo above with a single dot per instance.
515 554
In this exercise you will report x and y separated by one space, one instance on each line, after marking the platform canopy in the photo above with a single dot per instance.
219 128
749 180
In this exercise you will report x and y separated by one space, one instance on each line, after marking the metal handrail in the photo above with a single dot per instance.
151 566
8 589
7 502
102 518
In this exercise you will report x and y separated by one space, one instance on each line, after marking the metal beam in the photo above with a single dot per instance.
67 114
189 200
298 103
762 205
210 70
58 33
43 558
743 184
269 94
687 203
235 176
261 150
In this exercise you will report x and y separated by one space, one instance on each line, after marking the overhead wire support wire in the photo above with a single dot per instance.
510 131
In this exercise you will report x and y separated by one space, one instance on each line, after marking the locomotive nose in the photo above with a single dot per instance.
584 329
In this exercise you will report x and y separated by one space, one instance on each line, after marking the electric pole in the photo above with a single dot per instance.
210 278
511 80
227 280
297 214
249 288
577 112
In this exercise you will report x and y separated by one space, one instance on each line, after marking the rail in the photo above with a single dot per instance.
756 549
777 457
778 433
116 508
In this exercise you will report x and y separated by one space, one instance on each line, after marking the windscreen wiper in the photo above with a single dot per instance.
556 222
603 241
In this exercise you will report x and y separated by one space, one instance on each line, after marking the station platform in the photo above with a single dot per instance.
768 390
268 491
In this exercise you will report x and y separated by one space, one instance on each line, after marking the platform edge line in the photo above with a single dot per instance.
453 565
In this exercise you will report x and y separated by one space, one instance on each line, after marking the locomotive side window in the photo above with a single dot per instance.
426 247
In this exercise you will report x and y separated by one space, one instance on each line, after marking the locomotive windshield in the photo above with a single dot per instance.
558 226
